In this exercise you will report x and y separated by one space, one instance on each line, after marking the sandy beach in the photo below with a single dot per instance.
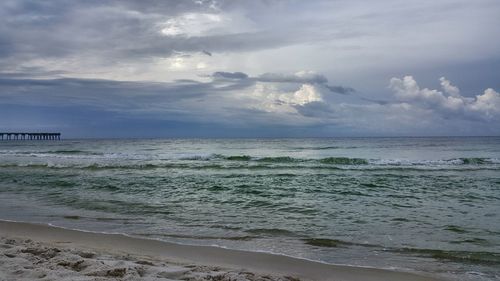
40 252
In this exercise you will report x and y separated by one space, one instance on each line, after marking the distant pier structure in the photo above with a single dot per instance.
30 136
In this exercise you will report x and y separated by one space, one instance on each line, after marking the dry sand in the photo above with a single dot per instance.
40 252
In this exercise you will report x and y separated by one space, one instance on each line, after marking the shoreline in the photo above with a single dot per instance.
278 267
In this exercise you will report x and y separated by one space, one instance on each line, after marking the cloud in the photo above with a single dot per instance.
304 77
96 34
301 77
271 98
317 109
309 77
163 98
131 31
306 94
192 24
449 101
449 88
230 75
341 90
487 104
203 24
105 95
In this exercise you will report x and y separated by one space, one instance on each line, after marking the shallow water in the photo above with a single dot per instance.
424 204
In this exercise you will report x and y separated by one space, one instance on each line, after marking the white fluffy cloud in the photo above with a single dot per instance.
306 94
271 98
487 103
449 100
449 88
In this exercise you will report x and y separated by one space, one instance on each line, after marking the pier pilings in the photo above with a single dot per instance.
30 136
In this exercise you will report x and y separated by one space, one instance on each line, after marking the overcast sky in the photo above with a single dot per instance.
250 68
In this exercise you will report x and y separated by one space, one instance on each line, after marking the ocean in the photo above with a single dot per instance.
413 204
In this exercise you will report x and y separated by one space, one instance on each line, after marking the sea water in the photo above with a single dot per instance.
430 205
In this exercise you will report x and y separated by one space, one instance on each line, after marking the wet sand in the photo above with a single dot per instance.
41 252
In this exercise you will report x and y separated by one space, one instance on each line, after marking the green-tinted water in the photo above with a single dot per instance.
427 204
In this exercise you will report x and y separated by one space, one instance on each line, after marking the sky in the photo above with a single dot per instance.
215 68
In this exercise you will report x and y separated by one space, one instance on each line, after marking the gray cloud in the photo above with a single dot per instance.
317 110
103 94
111 30
304 77
341 90
230 75
301 77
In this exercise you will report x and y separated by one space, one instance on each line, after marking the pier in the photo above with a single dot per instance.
30 136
